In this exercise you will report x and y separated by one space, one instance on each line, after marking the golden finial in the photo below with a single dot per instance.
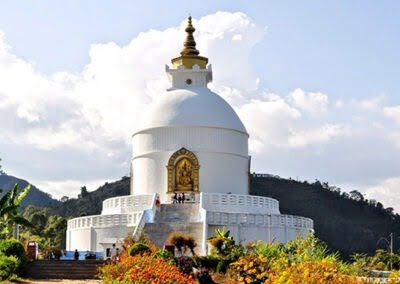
190 43
189 54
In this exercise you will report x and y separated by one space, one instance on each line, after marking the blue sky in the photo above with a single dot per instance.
315 82
344 48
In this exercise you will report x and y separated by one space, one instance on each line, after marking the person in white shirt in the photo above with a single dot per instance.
113 252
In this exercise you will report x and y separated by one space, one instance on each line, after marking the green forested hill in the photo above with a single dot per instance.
90 203
35 196
346 222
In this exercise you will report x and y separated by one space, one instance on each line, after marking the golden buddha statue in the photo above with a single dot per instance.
183 175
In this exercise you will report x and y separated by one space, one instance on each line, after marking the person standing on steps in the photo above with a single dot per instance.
183 197
175 198
158 204
180 198
76 255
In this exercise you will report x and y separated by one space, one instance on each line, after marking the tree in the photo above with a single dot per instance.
84 192
1 171
356 195
9 213
64 199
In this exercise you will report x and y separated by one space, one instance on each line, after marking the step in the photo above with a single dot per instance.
64 269
178 213
158 233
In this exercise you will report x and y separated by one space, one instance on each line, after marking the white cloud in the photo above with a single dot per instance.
393 112
373 103
321 134
387 192
339 104
314 103
70 188
261 117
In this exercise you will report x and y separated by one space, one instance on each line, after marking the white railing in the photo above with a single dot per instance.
239 203
127 204
101 221
222 218
139 227
148 216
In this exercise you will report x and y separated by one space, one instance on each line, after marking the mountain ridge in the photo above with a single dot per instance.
35 196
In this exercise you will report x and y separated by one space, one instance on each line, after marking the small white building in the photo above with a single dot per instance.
194 143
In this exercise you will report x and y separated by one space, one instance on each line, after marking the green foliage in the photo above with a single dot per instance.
48 229
8 266
166 255
12 247
347 223
208 261
222 242
362 264
222 265
9 213
138 248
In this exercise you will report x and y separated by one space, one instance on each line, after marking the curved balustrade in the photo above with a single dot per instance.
222 218
127 204
102 221
239 203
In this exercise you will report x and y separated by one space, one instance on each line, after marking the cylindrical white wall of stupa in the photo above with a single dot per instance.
221 153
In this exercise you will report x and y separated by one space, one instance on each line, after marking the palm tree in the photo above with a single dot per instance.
9 213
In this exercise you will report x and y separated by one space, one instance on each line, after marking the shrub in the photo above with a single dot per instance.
12 247
143 269
222 265
182 242
300 261
190 242
8 266
394 277
209 261
166 255
178 240
185 264
138 248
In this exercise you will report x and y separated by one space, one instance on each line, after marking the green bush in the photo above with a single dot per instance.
209 261
12 247
8 266
222 265
164 254
138 248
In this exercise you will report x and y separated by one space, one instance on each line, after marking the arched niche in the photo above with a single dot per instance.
183 172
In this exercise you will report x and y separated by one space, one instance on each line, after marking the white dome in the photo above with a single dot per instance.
193 107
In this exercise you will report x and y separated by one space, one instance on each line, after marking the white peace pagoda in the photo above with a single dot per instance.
193 143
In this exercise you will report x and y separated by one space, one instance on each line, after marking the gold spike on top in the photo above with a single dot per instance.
189 54
189 44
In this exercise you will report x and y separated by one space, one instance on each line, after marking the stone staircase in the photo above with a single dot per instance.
175 218
63 269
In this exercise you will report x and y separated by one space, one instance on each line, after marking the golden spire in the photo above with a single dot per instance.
189 54
190 43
